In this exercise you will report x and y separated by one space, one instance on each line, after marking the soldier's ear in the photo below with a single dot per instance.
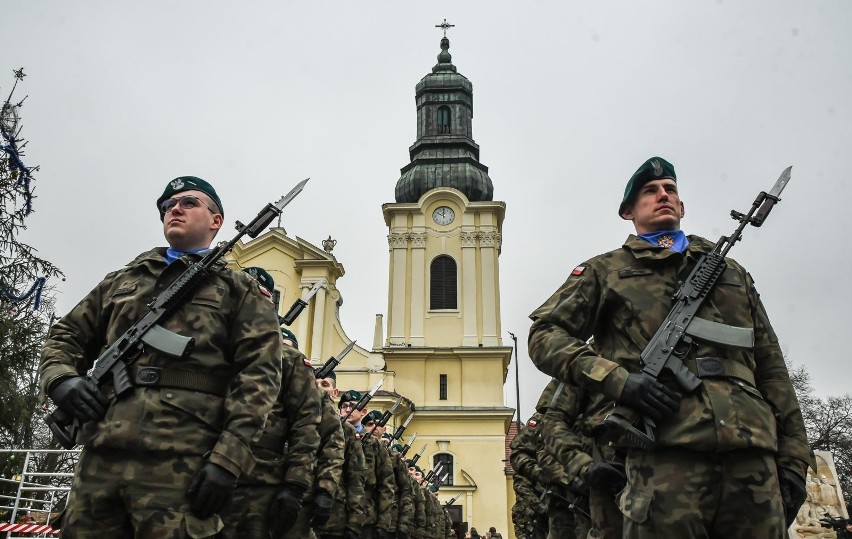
335 393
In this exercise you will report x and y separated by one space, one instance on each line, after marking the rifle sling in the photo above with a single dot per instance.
178 379
717 367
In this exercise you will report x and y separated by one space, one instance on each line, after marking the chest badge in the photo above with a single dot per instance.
665 241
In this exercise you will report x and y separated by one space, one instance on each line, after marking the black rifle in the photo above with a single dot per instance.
364 400
407 446
451 501
432 473
681 326
332 362
300 304
113 362
417 456
397 434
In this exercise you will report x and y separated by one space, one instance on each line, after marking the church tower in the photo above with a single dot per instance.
444 342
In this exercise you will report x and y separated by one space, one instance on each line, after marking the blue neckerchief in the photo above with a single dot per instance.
672 239
359 427
174 254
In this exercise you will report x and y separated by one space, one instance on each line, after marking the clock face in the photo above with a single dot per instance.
443 215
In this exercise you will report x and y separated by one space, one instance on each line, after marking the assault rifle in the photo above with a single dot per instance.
417 456
451 501
332 362
407 446
300 304
112 364
432 473
397 434
666 348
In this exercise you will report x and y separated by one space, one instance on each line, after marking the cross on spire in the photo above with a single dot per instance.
445 26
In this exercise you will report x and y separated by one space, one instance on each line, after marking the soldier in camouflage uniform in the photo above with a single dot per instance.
524 509
404 494
346 518
524 461
381 502
590 484
267 502
730 457
163 461
419 501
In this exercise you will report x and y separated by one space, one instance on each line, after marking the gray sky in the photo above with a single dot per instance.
570 97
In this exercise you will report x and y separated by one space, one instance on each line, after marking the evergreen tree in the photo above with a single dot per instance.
26 302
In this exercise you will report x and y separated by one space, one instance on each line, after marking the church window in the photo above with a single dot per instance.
442 284
444 120
442 387
447 468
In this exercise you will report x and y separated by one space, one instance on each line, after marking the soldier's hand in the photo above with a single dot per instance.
323 502
210 490
793 493
80 397
285 508
649 397
605 476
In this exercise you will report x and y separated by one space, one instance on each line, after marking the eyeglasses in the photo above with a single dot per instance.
187 202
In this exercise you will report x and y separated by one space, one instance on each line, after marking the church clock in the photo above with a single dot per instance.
443 215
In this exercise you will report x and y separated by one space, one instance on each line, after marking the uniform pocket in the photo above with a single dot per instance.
203 407
635 504
209 295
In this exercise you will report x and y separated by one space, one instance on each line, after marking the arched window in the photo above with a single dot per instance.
444 120
442 284
446 469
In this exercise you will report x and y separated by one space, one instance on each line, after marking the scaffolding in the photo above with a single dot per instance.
38 493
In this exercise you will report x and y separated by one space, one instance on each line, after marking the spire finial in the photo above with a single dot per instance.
445 26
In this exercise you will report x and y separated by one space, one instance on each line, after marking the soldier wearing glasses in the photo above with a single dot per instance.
163 461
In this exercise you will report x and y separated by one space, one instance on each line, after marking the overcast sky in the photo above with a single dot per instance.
570 98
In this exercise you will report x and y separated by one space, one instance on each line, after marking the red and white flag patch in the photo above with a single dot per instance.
578 270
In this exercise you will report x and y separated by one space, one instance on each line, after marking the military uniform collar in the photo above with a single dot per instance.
158 254
641 249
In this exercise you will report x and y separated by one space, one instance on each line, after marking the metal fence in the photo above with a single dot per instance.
41 494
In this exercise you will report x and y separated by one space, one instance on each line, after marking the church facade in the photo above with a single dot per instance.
438 351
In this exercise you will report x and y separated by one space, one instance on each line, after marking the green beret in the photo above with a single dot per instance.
332 374
655 168
374 415
189 183
434 487
347 396
289 335
262 276
397 448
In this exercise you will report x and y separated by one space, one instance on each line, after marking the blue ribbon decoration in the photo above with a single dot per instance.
36 288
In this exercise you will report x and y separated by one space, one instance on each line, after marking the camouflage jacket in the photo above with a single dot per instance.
524 510
434 516
330 457
404 494
524 456
294 421
420 523
562 440
621 297
386 504
237 343
348 512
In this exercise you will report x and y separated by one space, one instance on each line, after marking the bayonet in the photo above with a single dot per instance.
417 455
398 432
407 446
300 303
365 399
333 362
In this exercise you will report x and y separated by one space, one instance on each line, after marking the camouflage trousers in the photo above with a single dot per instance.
606 517
302 529
680 493
120 495
561 523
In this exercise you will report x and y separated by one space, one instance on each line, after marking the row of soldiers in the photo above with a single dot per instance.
328 468
565 484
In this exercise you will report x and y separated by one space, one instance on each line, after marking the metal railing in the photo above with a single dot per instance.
38 492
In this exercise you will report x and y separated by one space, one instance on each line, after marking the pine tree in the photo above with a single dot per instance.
26 301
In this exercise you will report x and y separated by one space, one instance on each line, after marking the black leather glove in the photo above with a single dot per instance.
605 476
323 502
649 397
285 508
210 490
80 397
350 534
793 493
